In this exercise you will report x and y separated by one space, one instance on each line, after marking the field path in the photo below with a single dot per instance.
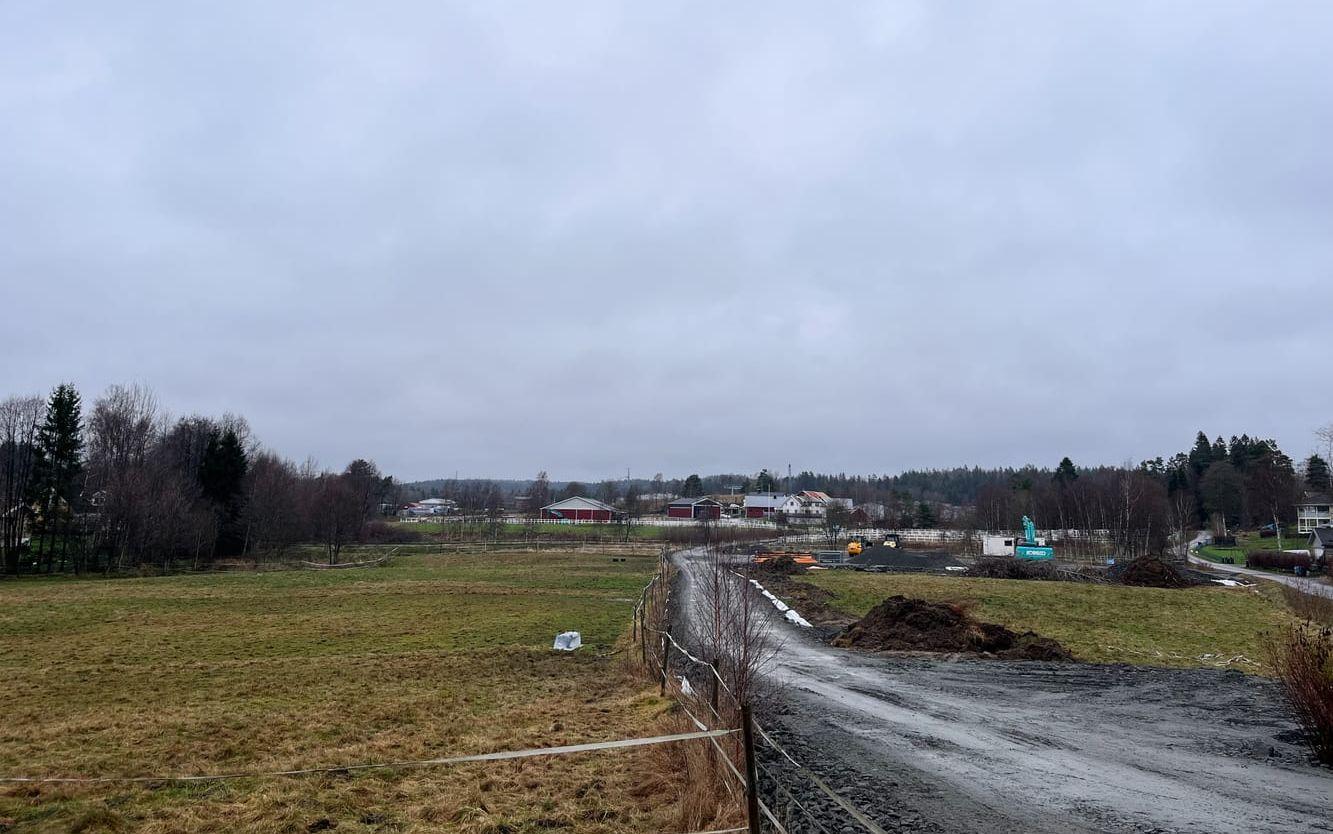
988 746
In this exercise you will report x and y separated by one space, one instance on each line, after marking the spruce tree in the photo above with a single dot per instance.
1201 455
1066 472
1316 474
59 464
221 479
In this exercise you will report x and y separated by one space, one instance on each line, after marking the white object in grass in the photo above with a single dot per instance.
567 641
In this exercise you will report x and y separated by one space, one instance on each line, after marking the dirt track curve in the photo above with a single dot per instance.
990 746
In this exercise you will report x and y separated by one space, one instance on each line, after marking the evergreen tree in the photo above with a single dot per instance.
693 487
59 464
221 478
925 515
1219 450
765 482
1065 473
1316 474
1201 455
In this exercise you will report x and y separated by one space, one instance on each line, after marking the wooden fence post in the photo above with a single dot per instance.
665 650
751 770
712 695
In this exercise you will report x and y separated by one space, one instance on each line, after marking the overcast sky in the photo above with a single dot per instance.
583 237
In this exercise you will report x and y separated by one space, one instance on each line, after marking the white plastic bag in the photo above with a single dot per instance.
567 641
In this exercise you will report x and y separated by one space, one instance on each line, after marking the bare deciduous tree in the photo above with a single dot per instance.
19 421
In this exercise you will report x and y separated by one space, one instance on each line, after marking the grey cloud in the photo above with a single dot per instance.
529 236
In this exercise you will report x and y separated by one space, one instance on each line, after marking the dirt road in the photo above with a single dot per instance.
988 746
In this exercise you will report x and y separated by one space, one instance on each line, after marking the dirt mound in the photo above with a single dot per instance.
895 558
1012 569
902 624
1150 572
779 566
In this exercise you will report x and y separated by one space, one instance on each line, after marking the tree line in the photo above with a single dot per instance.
121 485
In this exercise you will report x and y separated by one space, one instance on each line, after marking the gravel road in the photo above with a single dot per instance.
990 746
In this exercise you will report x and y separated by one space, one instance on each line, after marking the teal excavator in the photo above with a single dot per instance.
1030 547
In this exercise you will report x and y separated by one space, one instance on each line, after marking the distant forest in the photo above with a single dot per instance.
1240 482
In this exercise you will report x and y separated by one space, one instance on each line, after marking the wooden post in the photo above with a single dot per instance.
665 644
751 770
717 716
712 695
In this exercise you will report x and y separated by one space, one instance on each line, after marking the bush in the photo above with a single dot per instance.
387 532
1302 657
1278 560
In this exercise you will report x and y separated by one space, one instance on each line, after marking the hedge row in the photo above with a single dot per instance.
1280 560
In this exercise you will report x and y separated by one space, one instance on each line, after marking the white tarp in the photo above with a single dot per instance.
792 616
787 611
567 641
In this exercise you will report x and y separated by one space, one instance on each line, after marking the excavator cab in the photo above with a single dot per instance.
854 547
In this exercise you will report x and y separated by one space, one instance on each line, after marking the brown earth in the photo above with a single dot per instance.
902 624
1150 572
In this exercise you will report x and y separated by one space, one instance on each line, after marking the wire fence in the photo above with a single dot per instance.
651 617
655 603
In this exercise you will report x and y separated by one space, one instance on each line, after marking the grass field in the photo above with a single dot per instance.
1247 543
565 532
432 656
1099 623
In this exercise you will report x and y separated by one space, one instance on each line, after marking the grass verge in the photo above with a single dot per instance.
1191 627
254 672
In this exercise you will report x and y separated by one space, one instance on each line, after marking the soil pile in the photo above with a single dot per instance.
779 566
902 624
895 558
996 568
1150 572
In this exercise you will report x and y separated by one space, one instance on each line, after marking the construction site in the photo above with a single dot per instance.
924 688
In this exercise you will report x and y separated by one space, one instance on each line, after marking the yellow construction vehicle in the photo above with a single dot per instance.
854 547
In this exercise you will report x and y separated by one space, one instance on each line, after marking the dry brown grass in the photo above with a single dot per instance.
436 656
1305 602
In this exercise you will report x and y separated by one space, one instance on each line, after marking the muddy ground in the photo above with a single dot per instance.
930 745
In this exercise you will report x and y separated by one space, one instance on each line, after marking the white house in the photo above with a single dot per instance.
764 504
1313 511
823 499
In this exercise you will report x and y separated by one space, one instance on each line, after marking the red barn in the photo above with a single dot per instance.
580 509
694 508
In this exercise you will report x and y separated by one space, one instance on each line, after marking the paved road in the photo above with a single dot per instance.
1307 585
987 746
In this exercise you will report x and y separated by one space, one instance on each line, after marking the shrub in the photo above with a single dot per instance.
1302 657
1278 560
385 532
